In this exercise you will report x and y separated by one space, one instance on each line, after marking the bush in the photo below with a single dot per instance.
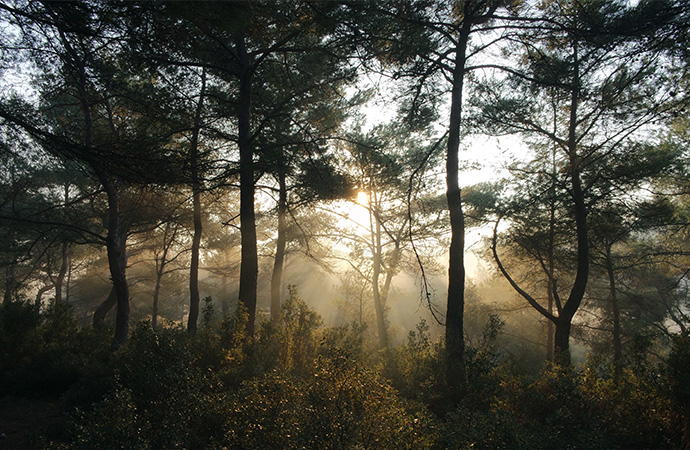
289 344
339 405
159 398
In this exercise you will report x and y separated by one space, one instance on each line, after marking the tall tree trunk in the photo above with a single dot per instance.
562 341
249 267
577 293
549 324
103 309
390 273
60 280
455 344
62 273
154 306
160 270
116 239
377 249
551 262
68 282
225 302
10 283
615 309
281 242
116 243
194 296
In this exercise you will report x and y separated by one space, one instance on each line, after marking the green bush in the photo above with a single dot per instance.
290 343
46 353
339 405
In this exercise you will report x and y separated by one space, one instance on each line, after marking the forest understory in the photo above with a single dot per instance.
303 385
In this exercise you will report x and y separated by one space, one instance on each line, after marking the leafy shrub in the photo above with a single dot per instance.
290 343
46 353
159 398
416 365
339 405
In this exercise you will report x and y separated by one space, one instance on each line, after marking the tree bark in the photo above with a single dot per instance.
116 238
562 341
116 244
281 242
10 284
60 280
377 249
551 263
62 273
41 291
160 270
390 273
194 297
615 309
577 292
103 308
455 344
249 267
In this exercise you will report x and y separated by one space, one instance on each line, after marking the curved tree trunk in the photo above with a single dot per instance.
41 291
116 243
103 309
577 293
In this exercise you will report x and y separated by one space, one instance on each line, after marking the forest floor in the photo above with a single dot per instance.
23 421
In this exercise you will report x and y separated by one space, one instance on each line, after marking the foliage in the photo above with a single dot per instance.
45 353
289 344
339 405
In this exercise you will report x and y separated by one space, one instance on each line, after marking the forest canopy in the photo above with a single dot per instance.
418 223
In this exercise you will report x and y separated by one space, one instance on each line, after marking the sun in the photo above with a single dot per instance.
362 198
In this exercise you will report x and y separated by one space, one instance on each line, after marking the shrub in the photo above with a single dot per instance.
290 343
339 405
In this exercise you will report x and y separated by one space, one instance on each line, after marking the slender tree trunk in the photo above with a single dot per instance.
154 307
10 284
194 297
41 291
549 324
225 303
455 344
390 273
116 239
62 273
116 243
375 227
276 279
551 264
68 282
617 343
60 280
160 270
249 267
103 309
562 339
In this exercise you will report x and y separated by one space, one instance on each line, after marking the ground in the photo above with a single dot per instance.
24 420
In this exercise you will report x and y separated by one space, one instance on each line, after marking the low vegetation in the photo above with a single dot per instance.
300 384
